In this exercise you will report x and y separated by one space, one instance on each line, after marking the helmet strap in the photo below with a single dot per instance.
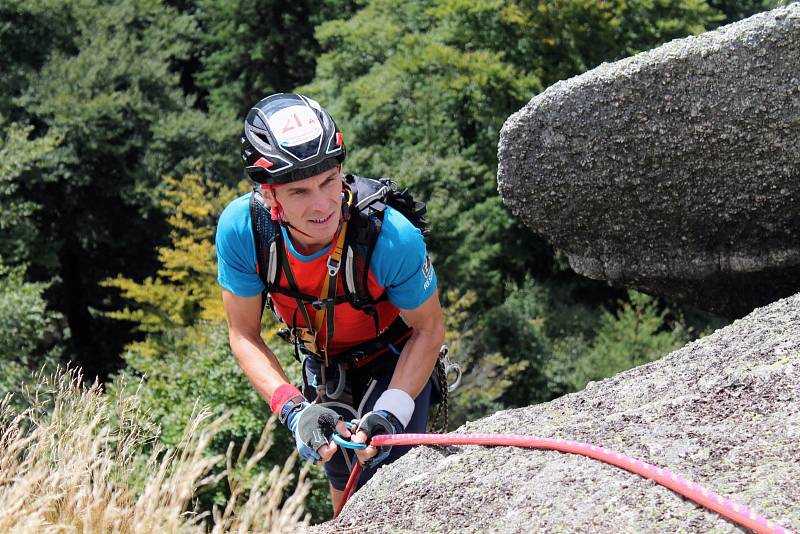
276 211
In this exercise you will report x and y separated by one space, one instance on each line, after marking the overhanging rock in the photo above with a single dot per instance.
676 171
724 412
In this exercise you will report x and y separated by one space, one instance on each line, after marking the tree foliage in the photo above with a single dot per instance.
102 80
185 288
637 332
19 155
734 10
25 325
247 49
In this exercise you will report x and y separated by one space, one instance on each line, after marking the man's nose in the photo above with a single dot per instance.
319 200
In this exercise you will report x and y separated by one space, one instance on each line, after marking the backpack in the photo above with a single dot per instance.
364 225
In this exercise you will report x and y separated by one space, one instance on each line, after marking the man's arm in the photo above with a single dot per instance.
414 367
244 332
419 354
256 359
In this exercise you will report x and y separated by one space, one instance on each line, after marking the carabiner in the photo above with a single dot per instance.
450 366
346 443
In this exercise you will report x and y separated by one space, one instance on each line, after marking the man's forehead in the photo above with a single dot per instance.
311 180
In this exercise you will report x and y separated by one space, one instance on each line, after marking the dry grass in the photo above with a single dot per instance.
71 463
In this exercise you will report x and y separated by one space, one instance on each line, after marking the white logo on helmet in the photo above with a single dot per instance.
295 125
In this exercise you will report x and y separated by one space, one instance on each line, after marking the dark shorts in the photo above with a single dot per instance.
357 386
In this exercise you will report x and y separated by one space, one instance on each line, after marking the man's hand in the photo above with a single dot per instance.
373 424
312 426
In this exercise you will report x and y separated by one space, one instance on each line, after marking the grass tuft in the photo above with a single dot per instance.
74 462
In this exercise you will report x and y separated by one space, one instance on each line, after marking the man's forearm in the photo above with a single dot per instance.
416 361
259 364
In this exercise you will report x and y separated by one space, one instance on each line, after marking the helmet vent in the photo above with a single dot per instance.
263 137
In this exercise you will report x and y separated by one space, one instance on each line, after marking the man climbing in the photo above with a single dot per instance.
350 278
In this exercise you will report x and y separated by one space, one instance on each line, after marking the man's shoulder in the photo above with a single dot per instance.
236 209
397 230
399 249
234 228
236 257
235 218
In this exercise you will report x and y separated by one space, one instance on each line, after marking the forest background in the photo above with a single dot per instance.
120 124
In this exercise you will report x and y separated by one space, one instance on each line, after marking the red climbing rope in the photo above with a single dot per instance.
737 513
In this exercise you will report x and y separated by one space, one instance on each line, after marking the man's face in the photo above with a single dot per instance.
314 206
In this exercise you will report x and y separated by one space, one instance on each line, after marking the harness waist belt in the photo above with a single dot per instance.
363 354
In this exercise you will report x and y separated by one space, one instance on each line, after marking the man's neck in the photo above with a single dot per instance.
303 247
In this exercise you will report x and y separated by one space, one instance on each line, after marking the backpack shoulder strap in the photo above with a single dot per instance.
362 235
267 237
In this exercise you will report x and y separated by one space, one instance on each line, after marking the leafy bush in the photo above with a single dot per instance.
486 377
19 155
24 323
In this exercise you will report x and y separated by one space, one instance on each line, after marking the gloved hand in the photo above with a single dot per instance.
312 426
373 424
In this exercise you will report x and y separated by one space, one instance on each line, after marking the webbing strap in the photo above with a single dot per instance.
309 336
328 293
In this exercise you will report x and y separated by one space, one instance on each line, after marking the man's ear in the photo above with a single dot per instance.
266 194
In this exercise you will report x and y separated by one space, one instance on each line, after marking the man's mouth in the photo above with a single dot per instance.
322 221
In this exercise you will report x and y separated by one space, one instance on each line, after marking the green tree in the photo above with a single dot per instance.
638 332
247 49
185 288
738 9
28 330
19 156
486 377
106 82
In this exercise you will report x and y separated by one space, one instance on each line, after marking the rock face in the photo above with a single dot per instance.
676 171
724 412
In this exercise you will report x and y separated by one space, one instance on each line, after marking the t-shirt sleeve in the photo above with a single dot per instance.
400 262
236 250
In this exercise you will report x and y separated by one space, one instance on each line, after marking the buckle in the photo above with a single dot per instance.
292 405
284 334
333 266
356 356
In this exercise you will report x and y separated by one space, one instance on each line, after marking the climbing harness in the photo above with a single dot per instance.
737 513
364 202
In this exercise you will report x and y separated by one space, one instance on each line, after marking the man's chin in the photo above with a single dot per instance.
321 236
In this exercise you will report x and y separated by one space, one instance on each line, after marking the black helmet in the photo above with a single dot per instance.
289 137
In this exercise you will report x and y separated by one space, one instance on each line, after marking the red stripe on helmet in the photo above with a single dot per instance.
264 163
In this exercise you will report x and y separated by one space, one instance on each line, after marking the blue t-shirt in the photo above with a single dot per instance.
399 262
